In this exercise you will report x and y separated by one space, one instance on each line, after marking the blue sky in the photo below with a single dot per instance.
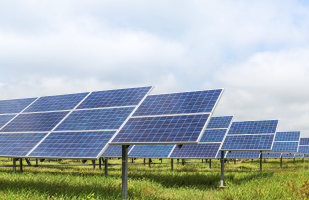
258 51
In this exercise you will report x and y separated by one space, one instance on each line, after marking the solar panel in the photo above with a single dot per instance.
14 105
115 98
98 119
59 102
34 122
178 103
284 155
219 122
114 151
243 154
287 136
18 144
250 136
248 142
304 141
306 156
303 149
253 127
151 151
70 132
209 150
163 129
282 147
177 118
213 135
271 155
299 156
5 119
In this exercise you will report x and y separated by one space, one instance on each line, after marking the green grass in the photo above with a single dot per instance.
192 181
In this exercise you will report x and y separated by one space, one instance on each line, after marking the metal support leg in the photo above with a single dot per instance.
36 162
172 164
132 160
261 159
222 170
144 161
125 171
21 165
281 161
93 163
234 161
106 166
183 162
209 163
14 163
149 162
202 160
100 163
177 161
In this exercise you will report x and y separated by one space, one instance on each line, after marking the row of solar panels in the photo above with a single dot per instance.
83 125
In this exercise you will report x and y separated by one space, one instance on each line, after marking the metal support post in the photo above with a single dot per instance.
93 163
183 162
202 160
281 161
125 171
209 163
149 162
172 164
261 159
36 162
222 170
106 166
21 165
144 161
234 161
14 163
132 160
177 161
100 163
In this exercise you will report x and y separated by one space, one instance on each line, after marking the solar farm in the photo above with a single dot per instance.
131 144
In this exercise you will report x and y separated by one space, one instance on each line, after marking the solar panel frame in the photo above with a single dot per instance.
167 143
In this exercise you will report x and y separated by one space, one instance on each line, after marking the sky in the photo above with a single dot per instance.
258 51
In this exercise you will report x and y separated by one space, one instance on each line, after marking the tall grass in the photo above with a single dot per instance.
191 181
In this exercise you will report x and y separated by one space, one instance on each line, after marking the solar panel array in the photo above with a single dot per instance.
284 155
177 118
271 155
303 146
65 126
250 136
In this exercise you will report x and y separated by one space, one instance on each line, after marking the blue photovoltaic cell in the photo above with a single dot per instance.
73 144
114 151
248 142
219 154
253 127
303 149
243 154
306 156
288 136
287 155
213 135
34 122
220 122
304 141
271 155
97 119
179 103
203 150
18 144
299 156
164 129
280 147
113 98
60 102
15 105
5 119
151 151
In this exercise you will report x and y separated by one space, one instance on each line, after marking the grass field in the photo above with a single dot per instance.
191 181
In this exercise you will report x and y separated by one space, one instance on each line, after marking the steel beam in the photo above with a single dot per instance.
172 164
261 160
125 171
222 170
281 161
209 163
106 166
